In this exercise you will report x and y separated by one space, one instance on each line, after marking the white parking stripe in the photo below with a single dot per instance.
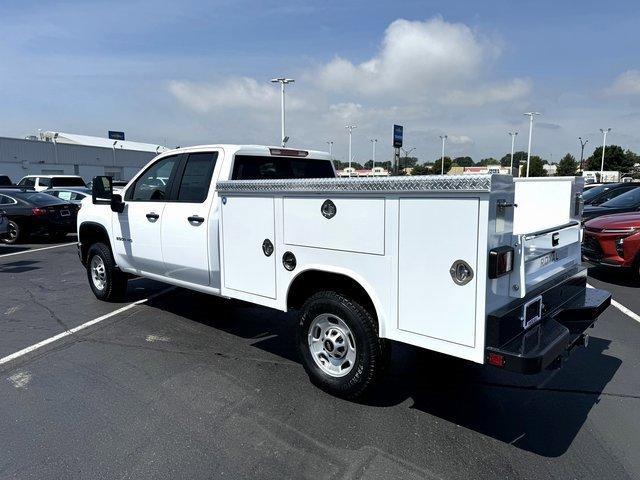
37 249
623 309
71 331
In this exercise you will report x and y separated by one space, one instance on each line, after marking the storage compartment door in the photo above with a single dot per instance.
433 234
246 223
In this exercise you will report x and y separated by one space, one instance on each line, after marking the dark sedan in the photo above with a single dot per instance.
627 202
36 213
607 191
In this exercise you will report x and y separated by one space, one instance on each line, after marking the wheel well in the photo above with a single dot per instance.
91 233
311 281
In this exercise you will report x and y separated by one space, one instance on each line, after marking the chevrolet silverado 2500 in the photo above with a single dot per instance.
480 267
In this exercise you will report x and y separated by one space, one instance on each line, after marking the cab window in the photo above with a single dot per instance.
253 167
154 184
27 182
194 185
44 182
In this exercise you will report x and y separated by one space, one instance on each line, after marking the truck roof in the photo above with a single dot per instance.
265 150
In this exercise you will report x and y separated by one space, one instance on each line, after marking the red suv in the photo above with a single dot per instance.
613 241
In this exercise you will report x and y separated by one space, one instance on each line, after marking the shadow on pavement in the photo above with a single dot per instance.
619 277
19 266
541 414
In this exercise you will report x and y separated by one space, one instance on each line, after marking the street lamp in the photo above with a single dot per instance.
513 136
582 144
373 157
330 143
282 81
531 115
350 128
443 138
604 144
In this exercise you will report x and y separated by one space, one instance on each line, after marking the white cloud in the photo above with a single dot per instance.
231 93
627 83
460 139
414 59
505 92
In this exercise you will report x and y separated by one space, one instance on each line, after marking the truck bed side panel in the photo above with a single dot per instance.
430 303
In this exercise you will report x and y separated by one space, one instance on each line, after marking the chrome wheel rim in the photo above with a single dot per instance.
12 233
98 273
332 345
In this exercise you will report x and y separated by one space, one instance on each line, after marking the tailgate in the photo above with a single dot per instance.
541 255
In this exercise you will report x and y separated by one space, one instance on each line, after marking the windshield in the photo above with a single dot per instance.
42 199
594 192
626 200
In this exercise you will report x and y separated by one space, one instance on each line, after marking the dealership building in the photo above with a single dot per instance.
56 153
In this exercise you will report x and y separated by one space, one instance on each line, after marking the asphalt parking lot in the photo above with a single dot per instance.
176 384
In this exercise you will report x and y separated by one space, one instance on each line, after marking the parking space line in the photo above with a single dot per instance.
623 309
71 331
37 249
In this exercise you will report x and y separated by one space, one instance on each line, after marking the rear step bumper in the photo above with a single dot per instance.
570 309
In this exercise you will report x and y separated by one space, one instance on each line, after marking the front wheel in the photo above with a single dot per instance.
106 281
339 344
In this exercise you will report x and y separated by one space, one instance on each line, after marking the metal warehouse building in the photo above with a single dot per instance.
52 153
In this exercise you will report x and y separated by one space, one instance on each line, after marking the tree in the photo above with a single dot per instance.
488 161
463 161
536 167
615 159
437 168
567 166
406 162
517 157
421 169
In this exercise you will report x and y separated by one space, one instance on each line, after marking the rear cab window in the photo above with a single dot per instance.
255 167
196 177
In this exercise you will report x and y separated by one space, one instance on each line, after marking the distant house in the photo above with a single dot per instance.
551 169
364 172
479 170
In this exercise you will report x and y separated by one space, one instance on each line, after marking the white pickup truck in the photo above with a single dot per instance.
480 267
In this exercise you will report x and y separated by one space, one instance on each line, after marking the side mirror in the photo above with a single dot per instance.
117 205
102 190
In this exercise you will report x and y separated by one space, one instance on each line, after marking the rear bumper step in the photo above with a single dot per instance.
543 345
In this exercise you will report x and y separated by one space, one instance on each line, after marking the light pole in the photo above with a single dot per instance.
373 155
282 81
443 138
531 115
330 143
350 128
604 145
582 144
513 136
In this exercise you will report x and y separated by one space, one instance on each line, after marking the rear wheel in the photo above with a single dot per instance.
339 344
14 234
107 282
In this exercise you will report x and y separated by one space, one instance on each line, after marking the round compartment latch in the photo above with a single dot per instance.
328 209
461 272
289 261
267 247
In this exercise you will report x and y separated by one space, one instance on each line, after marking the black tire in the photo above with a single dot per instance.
371 352
15 234
115 281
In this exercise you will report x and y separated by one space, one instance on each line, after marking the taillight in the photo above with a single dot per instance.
38 212
500 261
495 359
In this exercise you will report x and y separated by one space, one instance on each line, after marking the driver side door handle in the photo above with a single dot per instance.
152 216
195 219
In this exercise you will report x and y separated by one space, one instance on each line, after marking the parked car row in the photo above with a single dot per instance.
40 205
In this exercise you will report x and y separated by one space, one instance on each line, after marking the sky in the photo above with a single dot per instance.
196 72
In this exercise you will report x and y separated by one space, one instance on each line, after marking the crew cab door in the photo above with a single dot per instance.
188 222
136 231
